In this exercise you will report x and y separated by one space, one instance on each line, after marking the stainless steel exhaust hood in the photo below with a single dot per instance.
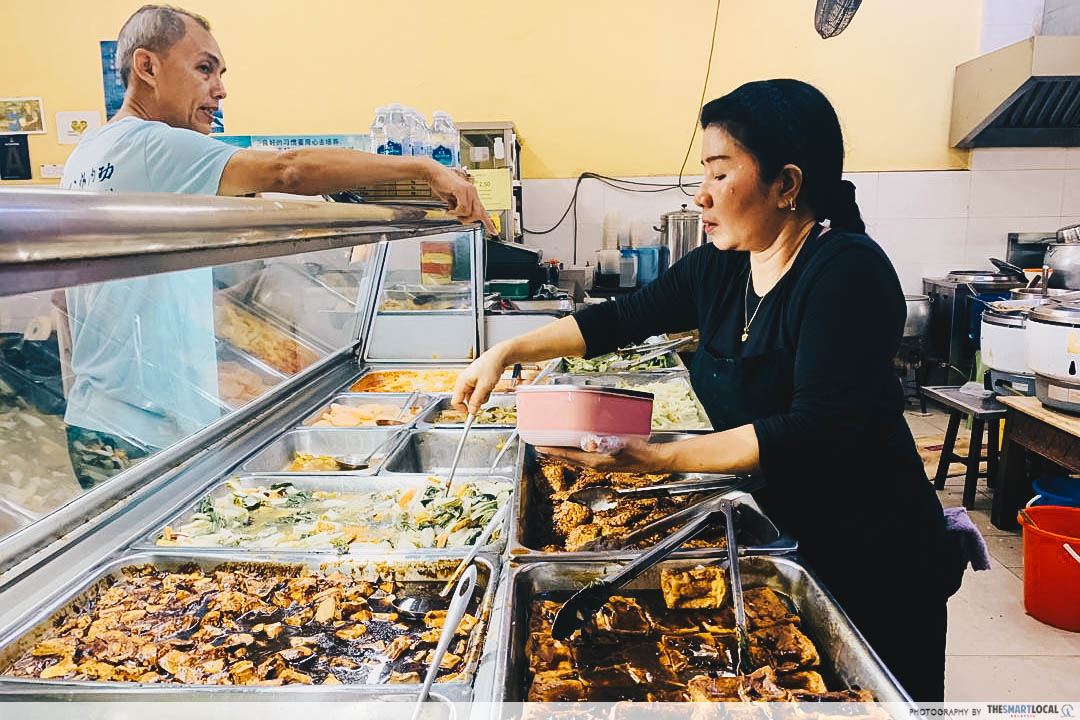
1023 95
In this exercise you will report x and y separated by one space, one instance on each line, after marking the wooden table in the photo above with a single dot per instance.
1030 427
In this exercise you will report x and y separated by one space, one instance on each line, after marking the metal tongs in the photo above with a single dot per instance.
679 517
735 581
585 603
662 349
599 498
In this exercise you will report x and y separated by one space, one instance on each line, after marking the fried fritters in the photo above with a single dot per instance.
697 587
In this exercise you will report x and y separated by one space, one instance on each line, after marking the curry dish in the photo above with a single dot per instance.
243 625
639 648
564 525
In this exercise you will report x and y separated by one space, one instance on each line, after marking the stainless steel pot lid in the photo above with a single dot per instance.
1038 293
683 214
1058 314
980 276
1006 318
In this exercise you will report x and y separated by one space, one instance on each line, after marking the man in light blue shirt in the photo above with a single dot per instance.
143 350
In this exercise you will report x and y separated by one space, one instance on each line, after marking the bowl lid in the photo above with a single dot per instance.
1058 313
604 390
1009 317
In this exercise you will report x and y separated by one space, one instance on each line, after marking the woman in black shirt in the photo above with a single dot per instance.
800 314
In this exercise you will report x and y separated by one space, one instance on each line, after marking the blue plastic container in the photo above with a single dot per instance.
1057 490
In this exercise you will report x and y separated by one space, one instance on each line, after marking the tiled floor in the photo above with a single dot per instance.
995 650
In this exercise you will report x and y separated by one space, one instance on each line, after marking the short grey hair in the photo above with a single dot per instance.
155 28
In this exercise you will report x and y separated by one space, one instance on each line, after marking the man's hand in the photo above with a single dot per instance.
459 194
636 456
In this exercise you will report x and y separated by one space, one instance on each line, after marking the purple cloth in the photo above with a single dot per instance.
973 547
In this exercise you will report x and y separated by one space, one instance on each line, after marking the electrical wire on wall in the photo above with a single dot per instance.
638 185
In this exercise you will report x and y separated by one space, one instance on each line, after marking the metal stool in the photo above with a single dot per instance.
986 413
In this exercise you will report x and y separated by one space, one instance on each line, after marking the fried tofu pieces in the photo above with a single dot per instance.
695 588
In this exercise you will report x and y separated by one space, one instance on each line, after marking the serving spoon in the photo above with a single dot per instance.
462 594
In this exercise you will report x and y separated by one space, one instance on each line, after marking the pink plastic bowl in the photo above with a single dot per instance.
563 415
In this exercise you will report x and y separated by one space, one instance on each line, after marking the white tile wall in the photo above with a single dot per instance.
927 222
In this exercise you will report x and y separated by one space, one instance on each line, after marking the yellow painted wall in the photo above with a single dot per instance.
609 86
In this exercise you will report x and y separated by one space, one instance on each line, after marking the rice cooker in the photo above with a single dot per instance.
1003 341
1053 340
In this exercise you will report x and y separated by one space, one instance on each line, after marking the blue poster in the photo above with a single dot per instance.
110 78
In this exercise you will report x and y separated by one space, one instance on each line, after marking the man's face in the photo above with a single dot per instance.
189 85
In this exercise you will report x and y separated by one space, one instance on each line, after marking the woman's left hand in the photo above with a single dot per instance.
636 456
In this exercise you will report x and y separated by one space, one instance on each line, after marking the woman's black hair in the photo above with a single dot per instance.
789 122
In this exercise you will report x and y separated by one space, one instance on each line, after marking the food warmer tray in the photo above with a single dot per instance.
397 400
432 451
320 349
430 569
376 367
227 352
335 482
278 454
634 379
675 365
844 651
773 540
502 400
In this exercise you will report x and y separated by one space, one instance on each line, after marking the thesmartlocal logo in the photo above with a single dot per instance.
1031 710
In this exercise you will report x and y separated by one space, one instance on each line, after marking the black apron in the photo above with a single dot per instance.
736 389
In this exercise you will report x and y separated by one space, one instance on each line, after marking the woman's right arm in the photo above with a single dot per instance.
557 339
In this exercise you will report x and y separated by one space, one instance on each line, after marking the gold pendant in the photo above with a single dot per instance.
745 335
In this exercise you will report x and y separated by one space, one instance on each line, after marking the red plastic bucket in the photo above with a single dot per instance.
1052 565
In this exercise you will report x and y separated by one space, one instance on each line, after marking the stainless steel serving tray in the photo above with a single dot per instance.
634 379
770 541
428 420
227 352
276 456
293 333
429 570
397 400
432 451
844 652
675 364
375 367
336 482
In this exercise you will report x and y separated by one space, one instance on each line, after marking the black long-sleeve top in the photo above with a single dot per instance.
816 381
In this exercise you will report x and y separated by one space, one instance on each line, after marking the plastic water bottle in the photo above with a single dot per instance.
378 132
397 131
419 143
445 140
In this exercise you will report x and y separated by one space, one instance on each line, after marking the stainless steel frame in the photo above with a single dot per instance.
432 451
476 258
428 570
843 649
60 238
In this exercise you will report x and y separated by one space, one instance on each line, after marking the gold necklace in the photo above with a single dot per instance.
750 275
746 302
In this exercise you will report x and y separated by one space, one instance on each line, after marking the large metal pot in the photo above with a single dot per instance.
1063 257
918 315
680 231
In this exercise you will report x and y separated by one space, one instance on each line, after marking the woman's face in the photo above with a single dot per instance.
739 210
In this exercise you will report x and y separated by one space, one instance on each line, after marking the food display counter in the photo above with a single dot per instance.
258 558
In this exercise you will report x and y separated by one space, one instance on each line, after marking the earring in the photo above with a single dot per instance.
791 207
